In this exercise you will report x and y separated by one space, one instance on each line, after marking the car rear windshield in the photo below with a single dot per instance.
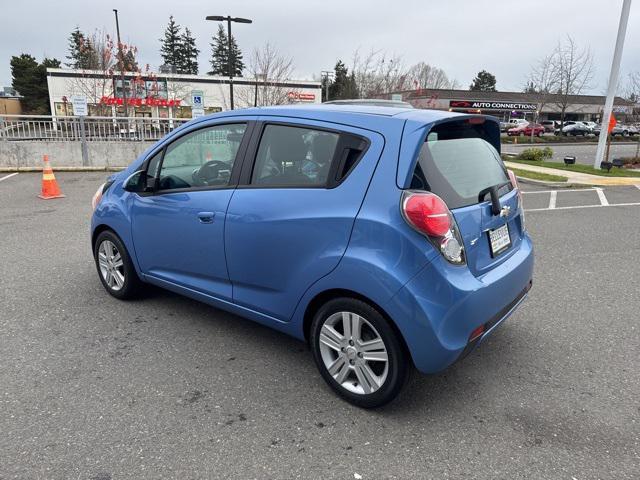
457 162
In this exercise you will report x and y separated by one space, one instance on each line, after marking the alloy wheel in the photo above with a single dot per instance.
111 265
353 353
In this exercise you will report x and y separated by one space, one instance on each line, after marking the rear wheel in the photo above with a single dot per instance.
358 353
115 269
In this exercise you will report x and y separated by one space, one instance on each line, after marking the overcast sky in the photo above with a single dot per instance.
460 36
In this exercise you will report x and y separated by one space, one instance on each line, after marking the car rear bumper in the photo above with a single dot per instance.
441 306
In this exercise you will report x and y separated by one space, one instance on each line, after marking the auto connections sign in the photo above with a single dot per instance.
530 107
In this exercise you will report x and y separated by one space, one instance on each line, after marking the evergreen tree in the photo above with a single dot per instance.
130 61
171 44
220 55
188 54
344 84
82 54
30 79
484 82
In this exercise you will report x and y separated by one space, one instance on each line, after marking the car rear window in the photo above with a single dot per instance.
457 164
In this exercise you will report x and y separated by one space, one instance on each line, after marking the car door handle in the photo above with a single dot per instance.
206 217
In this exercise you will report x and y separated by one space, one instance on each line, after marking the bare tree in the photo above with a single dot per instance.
377 73
270 68
422 75
543 81
98 82
574 69
632 88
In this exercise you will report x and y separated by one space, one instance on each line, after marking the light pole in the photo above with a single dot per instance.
326 74
255 98
613 83
121 60
232 58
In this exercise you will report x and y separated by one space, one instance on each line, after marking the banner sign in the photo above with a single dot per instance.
141 102
473 104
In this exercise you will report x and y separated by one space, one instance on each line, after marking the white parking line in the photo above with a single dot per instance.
603 200
552 200
582 206
8 176
563 190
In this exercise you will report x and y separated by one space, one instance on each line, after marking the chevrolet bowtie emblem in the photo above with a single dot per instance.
505 211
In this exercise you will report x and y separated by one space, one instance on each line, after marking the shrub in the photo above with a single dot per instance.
536 154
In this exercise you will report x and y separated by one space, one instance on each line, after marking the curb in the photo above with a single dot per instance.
542 183
62 169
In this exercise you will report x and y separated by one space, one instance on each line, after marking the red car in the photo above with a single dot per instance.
526 130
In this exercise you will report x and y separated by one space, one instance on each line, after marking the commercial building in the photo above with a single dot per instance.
168 95
506 105
10 101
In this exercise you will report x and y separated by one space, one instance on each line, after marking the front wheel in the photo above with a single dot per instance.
115 268
358 353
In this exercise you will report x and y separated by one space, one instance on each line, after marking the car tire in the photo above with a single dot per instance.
114 266
358 352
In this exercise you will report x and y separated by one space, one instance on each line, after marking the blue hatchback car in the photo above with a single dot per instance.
384 237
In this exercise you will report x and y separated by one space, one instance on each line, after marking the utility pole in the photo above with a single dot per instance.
121 60
326 74
232 57
232 61
613 82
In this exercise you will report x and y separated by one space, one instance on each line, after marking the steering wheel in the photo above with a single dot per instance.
207 172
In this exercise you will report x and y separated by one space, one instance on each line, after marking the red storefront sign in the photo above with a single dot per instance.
141 102
304 97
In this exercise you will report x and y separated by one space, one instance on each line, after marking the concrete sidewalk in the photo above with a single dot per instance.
576 177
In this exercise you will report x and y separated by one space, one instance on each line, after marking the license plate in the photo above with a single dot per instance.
499 240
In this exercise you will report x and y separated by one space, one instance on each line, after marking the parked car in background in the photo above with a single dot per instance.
549 125
576 128
591 125
526 130
512 123
384 237
620 131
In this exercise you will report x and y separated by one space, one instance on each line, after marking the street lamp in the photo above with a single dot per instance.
124 90
232 58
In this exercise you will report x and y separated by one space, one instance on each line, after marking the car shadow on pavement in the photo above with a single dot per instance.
456 388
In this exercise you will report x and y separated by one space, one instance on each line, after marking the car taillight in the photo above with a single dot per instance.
514 182
429 215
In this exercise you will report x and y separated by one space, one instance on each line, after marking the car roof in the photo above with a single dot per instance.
347 113
370 102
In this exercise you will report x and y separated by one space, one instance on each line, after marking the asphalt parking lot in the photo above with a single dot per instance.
165 387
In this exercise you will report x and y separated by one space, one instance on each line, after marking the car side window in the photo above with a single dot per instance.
152 168
201 158
294 156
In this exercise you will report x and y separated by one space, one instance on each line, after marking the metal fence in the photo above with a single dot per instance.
89 129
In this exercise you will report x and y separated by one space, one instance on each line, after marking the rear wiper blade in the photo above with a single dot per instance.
495 197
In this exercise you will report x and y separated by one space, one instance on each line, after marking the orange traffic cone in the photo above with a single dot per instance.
50 188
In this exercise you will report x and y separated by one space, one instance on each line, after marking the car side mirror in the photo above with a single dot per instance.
139 182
